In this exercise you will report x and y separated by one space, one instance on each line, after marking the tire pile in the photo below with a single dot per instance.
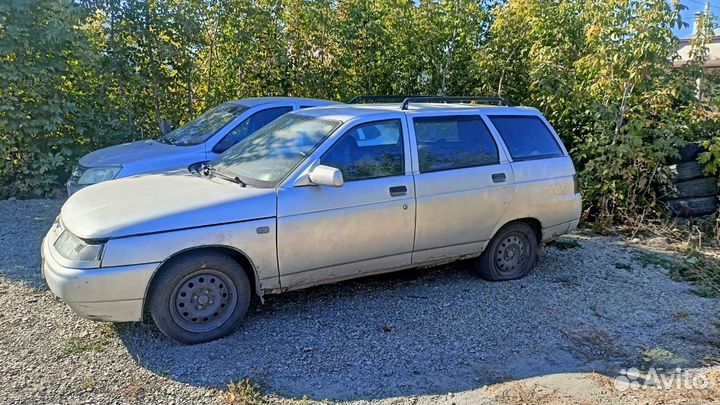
691 193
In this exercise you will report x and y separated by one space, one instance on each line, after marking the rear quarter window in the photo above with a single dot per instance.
527 137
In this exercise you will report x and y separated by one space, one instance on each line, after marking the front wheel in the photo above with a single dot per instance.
510 255
199 297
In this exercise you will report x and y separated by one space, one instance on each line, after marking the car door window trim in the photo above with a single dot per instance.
455 117
401 140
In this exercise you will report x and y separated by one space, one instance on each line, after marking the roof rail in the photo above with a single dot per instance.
455 99
365 99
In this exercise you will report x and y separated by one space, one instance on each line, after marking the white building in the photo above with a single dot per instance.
713 60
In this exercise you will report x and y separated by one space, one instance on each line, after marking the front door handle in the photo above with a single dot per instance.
498 178
397 191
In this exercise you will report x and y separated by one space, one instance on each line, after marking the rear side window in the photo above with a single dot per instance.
453 142
526 137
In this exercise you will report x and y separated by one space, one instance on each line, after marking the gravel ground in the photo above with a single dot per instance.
392 339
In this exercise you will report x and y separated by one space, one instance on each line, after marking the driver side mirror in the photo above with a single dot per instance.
326 176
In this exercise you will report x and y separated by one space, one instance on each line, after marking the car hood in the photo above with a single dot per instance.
162 202
119 155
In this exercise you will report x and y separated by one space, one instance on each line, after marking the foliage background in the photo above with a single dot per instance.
79 75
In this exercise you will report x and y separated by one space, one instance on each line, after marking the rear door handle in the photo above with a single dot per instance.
397 191
498 177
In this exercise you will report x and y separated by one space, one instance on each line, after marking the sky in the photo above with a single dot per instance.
694 6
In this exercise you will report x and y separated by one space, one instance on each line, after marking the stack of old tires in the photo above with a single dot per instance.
692 193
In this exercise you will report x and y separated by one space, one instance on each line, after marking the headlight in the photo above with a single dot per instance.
73 248
98 174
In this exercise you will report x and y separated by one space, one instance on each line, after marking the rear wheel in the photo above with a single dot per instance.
199 297
510 255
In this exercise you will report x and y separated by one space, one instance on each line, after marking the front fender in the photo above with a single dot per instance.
259 248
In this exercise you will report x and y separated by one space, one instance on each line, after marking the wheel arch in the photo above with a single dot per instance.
534 223
236 254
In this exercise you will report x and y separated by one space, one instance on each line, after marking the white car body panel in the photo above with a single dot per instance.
178 201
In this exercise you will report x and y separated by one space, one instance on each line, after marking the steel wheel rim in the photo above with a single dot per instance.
203 300
511 253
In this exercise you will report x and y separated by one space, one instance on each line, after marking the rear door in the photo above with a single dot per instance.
367 225
544 172
463 185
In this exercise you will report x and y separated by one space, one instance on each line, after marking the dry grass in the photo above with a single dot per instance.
137 388
525 394
88 384
683 233
247 392
244 392
603 381
133 392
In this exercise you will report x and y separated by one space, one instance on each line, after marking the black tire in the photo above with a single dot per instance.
686 171
702 187
199 297
693 207
690 152
500 262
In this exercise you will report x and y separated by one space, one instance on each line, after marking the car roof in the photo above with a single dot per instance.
255 101
345 112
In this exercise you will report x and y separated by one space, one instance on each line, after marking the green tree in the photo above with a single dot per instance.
41 48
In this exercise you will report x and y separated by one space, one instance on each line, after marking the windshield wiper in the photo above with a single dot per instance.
208 170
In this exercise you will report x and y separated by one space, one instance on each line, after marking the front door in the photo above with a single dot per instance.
246 128
367 225
463 186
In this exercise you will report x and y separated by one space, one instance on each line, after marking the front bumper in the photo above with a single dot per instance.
114 294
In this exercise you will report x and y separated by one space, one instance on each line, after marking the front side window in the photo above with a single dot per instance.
453 142
203 127
249 126
526 136
368 151
264 158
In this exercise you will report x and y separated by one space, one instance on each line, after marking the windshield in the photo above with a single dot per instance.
267 156
203 127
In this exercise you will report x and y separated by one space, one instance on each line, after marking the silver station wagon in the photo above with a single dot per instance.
317 196
198 141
